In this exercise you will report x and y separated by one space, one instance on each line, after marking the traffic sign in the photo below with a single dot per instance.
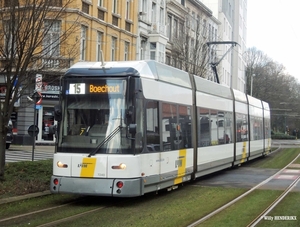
33 130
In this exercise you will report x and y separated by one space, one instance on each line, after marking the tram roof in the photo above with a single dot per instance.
146 69
210 87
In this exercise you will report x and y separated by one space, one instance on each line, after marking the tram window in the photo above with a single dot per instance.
257 128
241 127
204 127
171 137
229 127
185 126
223 137
139 136
267 129
152 127
214 127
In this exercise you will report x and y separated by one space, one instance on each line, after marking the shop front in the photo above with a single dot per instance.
42 116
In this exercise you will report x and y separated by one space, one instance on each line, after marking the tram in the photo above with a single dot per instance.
133 127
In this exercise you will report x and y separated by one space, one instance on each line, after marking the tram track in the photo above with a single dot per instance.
258 218
275 203
60 214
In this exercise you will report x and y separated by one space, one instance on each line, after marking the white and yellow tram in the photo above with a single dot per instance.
128 128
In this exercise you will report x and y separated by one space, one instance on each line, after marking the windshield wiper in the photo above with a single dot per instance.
107 139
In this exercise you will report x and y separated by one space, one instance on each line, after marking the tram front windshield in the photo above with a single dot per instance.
93 118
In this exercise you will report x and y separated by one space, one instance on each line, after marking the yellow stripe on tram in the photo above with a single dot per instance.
244 154
181 165
88 167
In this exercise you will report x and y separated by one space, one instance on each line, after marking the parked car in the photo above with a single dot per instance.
9 135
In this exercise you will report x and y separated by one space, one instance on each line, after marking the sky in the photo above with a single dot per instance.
273 28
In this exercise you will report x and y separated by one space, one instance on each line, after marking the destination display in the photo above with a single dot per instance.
94 88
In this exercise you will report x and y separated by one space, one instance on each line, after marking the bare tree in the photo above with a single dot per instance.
31 39
189 48
273 85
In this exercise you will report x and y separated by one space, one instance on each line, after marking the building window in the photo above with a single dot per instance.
153 13
115 6
193 21
144 9
126 51
57 3
169 27
143 49
100 3
101 14
175 27
83 43
161 53
161 16
51 43
152 51
11 3
98 46
127 26
115 20
85 7
181 29
10 43
127 13
168 60
113 48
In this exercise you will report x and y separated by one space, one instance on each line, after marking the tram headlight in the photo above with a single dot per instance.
61 165
120 166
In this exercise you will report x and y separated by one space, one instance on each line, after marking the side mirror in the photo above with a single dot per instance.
130 114
57 112
132 129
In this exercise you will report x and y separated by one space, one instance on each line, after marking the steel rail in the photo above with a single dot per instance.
274 204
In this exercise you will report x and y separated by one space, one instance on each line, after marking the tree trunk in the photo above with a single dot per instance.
2 153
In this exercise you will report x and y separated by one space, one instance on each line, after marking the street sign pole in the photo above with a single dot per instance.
33 137
36 98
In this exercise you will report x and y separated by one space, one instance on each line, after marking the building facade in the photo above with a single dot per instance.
190 26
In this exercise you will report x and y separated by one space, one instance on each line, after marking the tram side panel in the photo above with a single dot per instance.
267 128
215 133
173 156
241 127
256 128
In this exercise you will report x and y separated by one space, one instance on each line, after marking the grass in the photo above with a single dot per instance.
288 207
26 177
244 210
276 160
176 208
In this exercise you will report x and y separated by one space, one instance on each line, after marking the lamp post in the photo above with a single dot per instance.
253 75
285 126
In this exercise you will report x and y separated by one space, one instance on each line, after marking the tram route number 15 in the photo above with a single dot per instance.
78 88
